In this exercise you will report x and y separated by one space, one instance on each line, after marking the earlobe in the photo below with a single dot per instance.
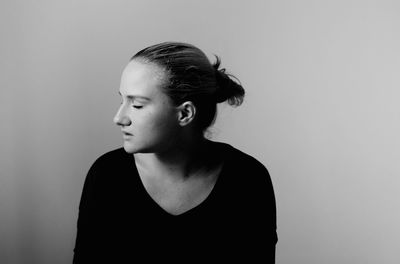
187 112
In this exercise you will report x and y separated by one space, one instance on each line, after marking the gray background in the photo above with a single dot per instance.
322 113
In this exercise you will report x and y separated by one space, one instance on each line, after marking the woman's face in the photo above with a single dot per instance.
148 119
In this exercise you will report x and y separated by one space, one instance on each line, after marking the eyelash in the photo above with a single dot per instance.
135 106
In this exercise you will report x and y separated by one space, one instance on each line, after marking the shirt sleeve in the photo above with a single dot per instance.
86 220
260 205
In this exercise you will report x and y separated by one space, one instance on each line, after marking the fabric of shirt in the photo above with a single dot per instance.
119 222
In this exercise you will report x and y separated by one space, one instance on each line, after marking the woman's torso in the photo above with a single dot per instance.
238 210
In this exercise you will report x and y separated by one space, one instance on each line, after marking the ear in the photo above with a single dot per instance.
186 113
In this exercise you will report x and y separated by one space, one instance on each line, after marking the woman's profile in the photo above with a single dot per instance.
170 193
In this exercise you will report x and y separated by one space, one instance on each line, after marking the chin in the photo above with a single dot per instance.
146 147
132 149
129 148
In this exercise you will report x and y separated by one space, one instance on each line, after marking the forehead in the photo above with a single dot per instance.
142 79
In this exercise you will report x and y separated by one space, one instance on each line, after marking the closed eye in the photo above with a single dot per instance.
138 106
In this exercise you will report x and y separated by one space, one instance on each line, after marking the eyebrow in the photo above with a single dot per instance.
131 97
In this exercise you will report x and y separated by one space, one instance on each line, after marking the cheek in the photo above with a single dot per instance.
164 123
158 122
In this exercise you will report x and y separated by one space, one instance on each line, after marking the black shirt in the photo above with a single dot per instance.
119 222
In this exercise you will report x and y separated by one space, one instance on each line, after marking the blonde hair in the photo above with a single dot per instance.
191 77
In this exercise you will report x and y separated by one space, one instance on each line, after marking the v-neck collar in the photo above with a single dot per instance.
204 204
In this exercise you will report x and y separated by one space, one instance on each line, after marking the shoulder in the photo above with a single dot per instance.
241 160
114 156
245 171
102 171
109 162
248 176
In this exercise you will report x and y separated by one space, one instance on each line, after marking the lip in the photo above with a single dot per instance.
126 133
126 136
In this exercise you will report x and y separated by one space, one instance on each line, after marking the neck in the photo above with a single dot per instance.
177 162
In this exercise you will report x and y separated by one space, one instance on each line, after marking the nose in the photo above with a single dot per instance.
120 118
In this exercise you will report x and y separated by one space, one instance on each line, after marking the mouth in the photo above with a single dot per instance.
126 135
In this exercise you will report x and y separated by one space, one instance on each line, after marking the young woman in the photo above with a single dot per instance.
170 194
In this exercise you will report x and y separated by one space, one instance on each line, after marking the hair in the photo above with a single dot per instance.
191 77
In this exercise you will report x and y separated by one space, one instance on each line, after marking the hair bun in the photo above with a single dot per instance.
227 89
